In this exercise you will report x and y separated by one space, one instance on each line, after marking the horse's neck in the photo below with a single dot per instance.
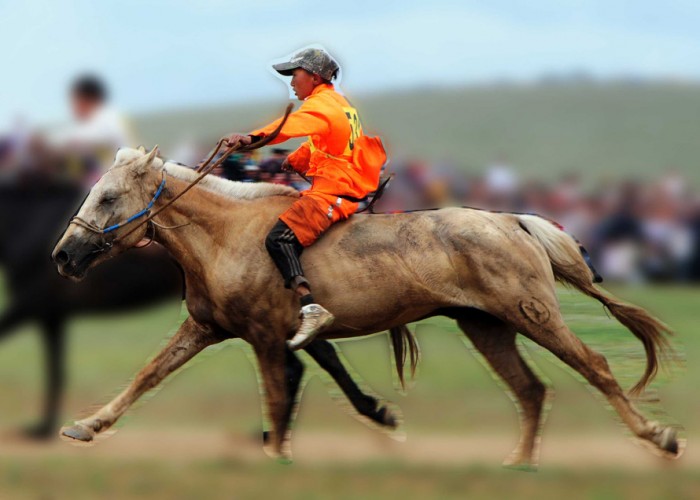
192 227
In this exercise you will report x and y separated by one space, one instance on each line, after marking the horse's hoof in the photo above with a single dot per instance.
668 441
386 418
78 432
516 462
663 442
279 456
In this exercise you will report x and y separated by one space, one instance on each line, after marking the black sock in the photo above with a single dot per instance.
306 300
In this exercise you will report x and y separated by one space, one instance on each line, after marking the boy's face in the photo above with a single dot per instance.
303 83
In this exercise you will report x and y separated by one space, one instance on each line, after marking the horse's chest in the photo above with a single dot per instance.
199 302
235 309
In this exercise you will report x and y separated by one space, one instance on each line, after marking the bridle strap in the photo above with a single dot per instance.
79 221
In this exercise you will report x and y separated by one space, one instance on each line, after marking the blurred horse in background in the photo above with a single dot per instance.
33 215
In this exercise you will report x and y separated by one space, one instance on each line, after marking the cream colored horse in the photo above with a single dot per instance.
493 273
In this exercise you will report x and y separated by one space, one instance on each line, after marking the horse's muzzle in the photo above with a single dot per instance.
72 259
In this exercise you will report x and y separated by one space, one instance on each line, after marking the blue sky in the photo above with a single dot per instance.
161 55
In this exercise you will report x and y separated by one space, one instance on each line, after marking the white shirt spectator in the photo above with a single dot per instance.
105 129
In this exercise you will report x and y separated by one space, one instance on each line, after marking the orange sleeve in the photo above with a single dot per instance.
309 119
299 159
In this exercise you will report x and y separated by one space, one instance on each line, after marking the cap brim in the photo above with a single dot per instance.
285 68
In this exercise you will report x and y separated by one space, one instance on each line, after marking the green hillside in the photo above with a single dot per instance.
606 130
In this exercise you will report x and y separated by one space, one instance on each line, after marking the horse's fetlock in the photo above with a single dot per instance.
537 392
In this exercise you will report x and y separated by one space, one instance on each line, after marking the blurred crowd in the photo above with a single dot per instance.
635 230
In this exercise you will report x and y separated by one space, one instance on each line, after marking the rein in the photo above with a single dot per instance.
204 169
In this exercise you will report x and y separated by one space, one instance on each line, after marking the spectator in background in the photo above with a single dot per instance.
502 183
233 168
692 267
251 169
618 238
273 164
97 132
667 236
15 148
187 152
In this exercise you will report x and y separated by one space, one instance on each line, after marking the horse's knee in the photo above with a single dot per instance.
597 371
599 364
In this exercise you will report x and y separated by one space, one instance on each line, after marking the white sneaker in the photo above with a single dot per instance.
314 319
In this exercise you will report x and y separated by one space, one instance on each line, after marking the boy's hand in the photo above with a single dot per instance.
238 139
286 166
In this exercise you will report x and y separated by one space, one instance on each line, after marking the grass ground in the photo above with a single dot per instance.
454 395
85 479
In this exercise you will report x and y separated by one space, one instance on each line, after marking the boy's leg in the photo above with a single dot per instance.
298 228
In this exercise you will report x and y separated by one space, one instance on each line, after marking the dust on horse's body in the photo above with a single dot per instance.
493 273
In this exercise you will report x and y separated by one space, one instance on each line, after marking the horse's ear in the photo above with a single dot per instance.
142 149
142 166
152 155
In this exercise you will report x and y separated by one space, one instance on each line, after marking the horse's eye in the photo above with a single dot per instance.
107 200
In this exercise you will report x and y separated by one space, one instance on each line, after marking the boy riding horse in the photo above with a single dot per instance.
342 163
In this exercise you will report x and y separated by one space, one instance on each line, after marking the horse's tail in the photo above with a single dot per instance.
570 268
405 345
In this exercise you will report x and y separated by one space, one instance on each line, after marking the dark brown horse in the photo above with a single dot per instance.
33 217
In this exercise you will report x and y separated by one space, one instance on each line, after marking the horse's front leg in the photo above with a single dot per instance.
327 357
272 358
190 339
293 374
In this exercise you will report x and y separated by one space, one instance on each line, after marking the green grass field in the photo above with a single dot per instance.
454 395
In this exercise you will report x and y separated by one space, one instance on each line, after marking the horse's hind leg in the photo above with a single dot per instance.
496 342
541 321
190 339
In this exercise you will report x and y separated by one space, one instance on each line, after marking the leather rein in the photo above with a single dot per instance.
204 169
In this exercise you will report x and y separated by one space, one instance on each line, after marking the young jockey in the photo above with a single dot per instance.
343 164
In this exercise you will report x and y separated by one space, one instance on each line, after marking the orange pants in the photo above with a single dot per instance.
312 214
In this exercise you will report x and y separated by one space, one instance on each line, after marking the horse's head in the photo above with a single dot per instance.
123 191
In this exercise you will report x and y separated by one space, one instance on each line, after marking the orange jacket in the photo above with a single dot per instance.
338 156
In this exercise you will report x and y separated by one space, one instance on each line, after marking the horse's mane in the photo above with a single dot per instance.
232 189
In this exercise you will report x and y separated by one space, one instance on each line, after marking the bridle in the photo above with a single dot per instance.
204 169
79 221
